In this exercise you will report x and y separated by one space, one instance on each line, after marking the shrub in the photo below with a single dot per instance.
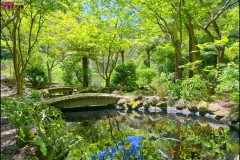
39 126
145 76
194 88
161 83
36 94
125 75
229 81
37 76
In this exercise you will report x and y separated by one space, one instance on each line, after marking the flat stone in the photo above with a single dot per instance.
213 107
121 102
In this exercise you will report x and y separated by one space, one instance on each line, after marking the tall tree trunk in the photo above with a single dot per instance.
107 82
85 71
148 60
49 75
194 53
20 85
177 50
122 55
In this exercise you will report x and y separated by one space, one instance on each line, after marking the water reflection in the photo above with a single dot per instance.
170 133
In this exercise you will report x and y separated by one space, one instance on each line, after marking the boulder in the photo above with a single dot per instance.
192 106
234 117
162 104
180 105
153 100
220 114
202 106
213 107
121 102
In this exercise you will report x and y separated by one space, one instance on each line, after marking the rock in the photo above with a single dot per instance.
234 117
162 104
121 102
146 104
117 93
192 106
171 102
235 125
180 105
153 100
213 107
219 114
137 98
202 106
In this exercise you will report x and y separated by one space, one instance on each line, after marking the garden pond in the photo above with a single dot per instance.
131 134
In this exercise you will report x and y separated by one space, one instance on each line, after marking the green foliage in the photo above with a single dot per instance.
37 76
73 73
229 81
161 83
41 126
125 75
36 94
145 76
194 88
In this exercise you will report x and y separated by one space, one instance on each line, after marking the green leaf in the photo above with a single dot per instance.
21 133
42 145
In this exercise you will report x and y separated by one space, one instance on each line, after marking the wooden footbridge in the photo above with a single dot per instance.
83 100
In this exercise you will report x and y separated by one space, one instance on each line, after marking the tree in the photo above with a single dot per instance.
22 35
157 13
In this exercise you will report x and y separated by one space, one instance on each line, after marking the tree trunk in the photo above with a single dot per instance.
194 53
85 71
122 56
19 80
107 82
147 61
49 76
177 48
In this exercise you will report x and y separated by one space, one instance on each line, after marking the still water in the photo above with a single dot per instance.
159 134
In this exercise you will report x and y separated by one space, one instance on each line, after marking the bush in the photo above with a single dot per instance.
36 94
39 126
194 88
161 83
229 81
125 75
145 76
37 76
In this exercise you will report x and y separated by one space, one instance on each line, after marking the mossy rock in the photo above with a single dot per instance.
213 107
203 106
